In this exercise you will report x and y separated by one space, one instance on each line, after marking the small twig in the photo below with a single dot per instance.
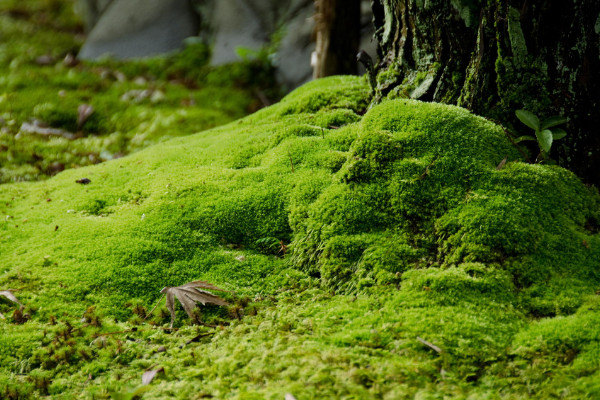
537 159
153 308
168 329
262 97
38 128
196 338
97 335
134 329
502 163
426 172
429 344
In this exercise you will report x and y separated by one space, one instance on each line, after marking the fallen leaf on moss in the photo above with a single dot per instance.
70 60
502 163
40 128
18 316
45 59
150 375
136 95
190 294
83 113
8 294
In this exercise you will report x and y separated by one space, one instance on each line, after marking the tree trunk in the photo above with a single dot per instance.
496 56
337 37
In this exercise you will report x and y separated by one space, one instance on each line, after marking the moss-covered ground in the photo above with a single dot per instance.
368 253
135 104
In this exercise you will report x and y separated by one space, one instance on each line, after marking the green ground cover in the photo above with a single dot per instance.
399 230
367 252
135 104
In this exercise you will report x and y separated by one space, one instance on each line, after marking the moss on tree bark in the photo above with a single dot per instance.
496 56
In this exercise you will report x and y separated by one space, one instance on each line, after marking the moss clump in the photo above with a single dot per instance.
429 172
409 264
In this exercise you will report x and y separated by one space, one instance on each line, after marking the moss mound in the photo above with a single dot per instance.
350 239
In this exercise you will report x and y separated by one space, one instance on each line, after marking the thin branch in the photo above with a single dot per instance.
196 338
153 308
429 344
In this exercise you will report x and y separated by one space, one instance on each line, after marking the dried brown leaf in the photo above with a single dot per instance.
83 113
502 163
189 295
170 303
45 59
18 317
39 128
70 60
150 375
8 294
136 95
202 285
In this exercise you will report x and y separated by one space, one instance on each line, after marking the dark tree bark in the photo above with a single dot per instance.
337 37
496 56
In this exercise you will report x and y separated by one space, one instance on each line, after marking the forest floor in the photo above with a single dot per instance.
58 113
364 251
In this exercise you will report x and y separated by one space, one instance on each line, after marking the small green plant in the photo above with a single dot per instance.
543 134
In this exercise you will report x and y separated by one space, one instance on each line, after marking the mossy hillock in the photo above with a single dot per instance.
394 223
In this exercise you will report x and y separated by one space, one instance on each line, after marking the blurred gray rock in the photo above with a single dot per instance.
91 10
295 49
139 28
236 24
250 24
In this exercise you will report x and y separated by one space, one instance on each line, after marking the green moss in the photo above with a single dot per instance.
322 97
468 10
522 84
515 34
410 266
136 103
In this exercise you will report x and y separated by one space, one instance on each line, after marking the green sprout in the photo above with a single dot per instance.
543 134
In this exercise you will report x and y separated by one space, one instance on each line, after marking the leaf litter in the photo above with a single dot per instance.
10 296
189 295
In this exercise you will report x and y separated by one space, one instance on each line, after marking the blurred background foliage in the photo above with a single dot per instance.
58 113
